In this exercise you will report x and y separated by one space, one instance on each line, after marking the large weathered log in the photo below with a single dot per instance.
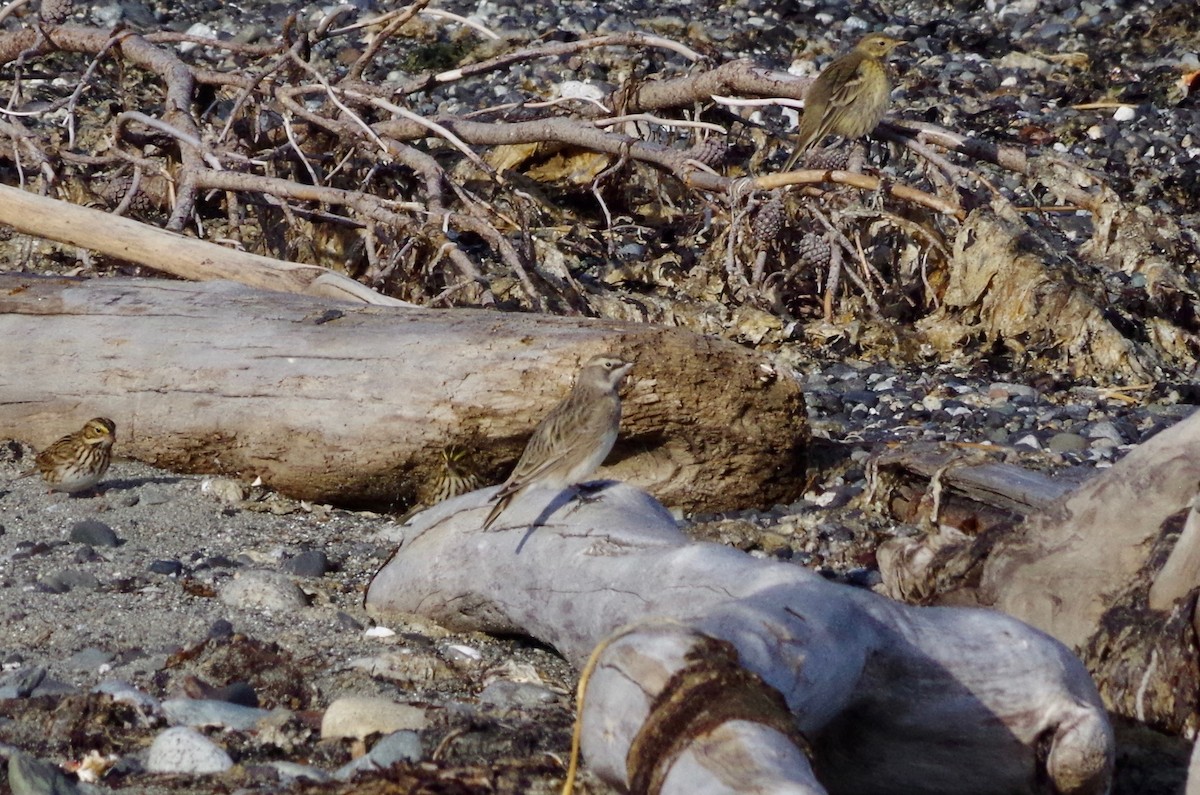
351 404
893 698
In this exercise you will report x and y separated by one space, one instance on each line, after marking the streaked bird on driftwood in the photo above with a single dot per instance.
457 476
849 97
572 441
77 461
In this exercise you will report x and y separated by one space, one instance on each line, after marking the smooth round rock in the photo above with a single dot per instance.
70 580
1066 443
510 695
28 775
358 717
183 750
203 712
260 589
312 563
169 568
94 533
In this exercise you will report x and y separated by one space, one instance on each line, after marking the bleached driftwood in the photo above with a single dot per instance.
169 252
353 404
729 658
1181 573
1063 568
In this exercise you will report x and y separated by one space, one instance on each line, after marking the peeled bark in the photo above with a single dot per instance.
351 404
713 646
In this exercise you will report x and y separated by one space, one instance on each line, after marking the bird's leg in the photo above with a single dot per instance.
591 491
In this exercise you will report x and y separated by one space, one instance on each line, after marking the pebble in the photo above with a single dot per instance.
1125 113
126 693
358 717
184 750
1066 443
94 533
347 622
1104 430
516 695
169 568
397 747
156 494
28 775
69 580
408 667
261 589
225 490
294 771
204 713
311 563
221 628
89 659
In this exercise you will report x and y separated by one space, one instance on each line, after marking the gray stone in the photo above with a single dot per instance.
25 680
506 694
94 533
312 563
202 712
259 589
294 771
359 717
184 750
70 580
28 775
126 693
395 748
169 568
156 494
1104 430
89 659
1066 443
401 746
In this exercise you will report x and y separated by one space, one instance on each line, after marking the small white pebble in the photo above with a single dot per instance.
465 651
1124 113
576 89
379 632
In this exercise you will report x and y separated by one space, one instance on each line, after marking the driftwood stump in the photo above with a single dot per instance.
352 404
720 660
1105 534
1110 567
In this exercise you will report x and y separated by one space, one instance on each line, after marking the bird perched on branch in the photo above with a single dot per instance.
849 97
572 441
77 461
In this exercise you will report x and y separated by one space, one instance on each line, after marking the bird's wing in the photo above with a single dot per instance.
562 437
853 100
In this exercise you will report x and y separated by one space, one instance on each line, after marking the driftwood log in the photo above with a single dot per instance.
1104 532
721 668
170 252
352 404
1111 566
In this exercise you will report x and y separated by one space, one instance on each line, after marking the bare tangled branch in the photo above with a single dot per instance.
547 200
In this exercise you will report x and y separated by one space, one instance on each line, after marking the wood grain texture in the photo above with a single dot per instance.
351 404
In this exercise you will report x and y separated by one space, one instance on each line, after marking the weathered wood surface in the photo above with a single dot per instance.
352 404
169 252
892 698
1064 567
